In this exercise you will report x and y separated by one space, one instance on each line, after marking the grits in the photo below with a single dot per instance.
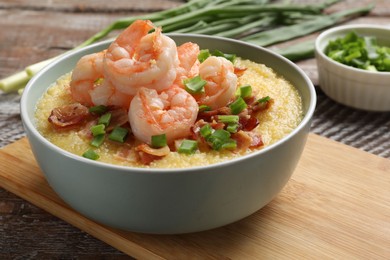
279 120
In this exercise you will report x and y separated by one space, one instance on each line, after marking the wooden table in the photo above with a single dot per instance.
35 30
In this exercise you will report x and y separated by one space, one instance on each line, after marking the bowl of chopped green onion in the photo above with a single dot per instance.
354 65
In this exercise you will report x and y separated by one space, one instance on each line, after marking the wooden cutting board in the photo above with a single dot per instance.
336 205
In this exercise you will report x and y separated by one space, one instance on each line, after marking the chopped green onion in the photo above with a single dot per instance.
264 99
91 154
218 139
105 119
98 129
232 127
238 105
245 91
98 140
203 55
228 118
98 81
230 57
188 147
118 134
194 85
206 130
203 108
159 141
98 109
229 144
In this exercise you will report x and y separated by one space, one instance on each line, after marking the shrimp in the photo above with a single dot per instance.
189 63
88 71
89 87
172 112
137 59
221 82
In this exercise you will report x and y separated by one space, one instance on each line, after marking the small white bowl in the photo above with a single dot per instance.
350 86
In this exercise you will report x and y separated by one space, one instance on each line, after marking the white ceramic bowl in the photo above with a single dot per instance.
350 86
169 201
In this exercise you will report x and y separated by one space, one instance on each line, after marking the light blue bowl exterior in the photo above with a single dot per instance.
170 201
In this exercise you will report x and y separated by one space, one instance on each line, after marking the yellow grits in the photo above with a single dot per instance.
279 120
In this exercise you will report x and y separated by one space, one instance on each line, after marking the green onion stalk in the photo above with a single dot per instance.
258 22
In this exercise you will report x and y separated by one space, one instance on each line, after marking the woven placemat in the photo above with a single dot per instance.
368 131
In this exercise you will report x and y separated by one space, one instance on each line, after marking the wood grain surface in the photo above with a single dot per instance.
35 30
331 208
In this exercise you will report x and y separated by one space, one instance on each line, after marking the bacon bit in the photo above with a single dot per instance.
257 141
239 71
257 107
148 154
68 115
243 140
247 140
248 122
119 117
207 115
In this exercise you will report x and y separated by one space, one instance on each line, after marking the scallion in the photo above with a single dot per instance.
99 110
238 105
118 134
91 154
159 141
105 119
219 139
98 140
203 108
206 130
245 91
203 55
232 127
228 118
98 129
194 85
264 99
188 146
228 56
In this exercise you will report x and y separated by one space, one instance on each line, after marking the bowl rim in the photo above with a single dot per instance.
347 28
196 169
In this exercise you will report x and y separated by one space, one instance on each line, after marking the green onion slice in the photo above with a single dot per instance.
206 130
188 146
238 105
118 134
99 110
194 85
203 108
264 99
232 127
90 154
228 119
229 144
230 57
203 55
159 141
98 140
245 91
105 119
98 129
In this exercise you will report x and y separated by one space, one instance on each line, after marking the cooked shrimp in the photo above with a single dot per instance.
189 63
89 87
172 112
221 82
137 59
85 76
